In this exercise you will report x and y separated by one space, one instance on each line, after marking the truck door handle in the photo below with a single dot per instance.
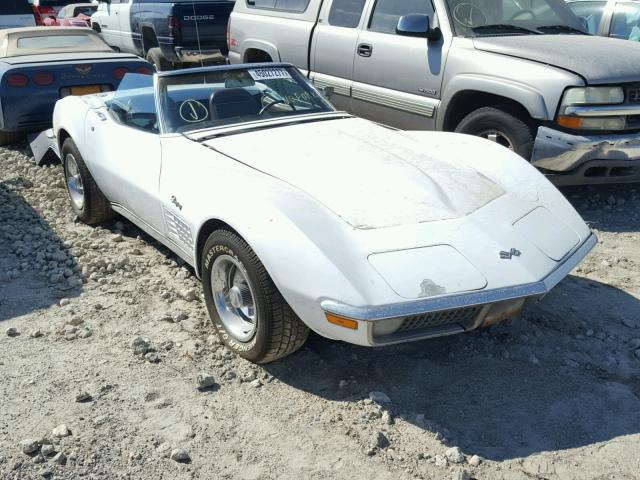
365 50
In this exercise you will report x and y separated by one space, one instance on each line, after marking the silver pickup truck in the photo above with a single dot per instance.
522 73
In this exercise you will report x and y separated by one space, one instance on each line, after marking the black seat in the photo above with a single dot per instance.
233 102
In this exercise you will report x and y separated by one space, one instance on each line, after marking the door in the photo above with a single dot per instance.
625 21
397 79
125 36
334 46
107 16
125 156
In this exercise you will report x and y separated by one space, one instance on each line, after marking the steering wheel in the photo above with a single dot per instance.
275 101
469 15
526 11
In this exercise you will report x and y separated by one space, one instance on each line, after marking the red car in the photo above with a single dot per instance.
74 15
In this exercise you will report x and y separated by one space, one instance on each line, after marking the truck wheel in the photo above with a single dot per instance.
502 126
156 58
248 312
87 201
8 138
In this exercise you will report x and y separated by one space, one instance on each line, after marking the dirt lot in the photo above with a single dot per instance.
552 394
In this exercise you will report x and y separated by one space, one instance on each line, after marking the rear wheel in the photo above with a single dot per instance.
8 138
156 58
501 125
87 201
250 315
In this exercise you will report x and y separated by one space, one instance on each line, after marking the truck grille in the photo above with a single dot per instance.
633 94
459 315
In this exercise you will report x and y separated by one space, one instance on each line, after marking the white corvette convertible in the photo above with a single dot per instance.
297 216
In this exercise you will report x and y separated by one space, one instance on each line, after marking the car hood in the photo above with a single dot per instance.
596 59
369 175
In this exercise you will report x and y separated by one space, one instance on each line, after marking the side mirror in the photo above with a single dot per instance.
417 25
327 92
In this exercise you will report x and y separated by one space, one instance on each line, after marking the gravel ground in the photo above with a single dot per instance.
110 370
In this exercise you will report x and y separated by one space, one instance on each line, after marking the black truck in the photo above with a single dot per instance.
168 33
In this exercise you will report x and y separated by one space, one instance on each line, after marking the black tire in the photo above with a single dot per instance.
9 138
504 120
279 332
156 58
96 208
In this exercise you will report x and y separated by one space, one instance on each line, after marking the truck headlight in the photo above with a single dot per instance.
585 96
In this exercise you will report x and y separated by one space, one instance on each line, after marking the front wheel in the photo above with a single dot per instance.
249 314
502 126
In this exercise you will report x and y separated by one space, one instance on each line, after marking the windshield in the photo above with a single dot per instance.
513 17
193 101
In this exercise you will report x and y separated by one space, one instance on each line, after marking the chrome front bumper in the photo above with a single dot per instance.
369 315
188 55
610 155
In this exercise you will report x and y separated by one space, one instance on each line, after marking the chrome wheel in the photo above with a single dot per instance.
498 137
74 182
233 298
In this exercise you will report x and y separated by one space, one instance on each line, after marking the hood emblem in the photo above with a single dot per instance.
514 252
83 69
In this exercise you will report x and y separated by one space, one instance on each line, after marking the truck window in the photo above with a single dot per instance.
297 6
15 7
387 13
346 13
591 12
626 21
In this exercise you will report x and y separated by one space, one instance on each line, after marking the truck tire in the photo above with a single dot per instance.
8 138
87 201
248 312
503 126
156 58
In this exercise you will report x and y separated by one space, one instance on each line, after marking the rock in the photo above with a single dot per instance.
29 445
180 455
628 322
45 473
571 363
637 353
152 357
61 431
189 295
100 420
461 474
256 383
74 321
474 461
342 383
64 302
164 449
60 458
386 418
37 333
205 381
441 461
454 455
139 345
38 459
117 238
47 450
12 332
85 333
83 397
534 360
379 397
381 440
180 317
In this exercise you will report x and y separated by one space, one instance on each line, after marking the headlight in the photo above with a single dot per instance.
593 96
585 96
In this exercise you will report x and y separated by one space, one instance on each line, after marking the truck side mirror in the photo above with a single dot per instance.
417 25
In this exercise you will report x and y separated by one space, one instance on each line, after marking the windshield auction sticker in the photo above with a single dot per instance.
269 73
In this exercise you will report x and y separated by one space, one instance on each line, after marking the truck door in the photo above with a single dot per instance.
397 79
124 17
333 48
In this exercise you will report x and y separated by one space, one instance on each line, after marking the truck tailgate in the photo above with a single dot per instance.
207 20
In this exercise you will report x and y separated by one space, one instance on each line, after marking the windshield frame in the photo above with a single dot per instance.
560 7
164 130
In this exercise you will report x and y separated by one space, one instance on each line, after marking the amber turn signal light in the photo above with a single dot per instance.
342 321
569 122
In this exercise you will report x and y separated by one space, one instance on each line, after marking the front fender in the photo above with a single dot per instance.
68 120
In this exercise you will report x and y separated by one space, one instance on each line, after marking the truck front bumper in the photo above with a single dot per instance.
575 159
192 55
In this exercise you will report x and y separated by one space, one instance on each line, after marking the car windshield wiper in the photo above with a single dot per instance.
563 28
505 27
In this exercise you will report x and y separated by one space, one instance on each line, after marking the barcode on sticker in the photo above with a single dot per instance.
269 73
